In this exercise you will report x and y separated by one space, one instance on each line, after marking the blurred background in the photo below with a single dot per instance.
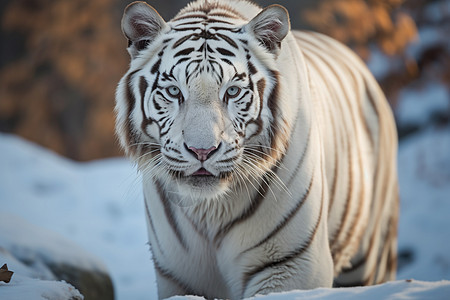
60 62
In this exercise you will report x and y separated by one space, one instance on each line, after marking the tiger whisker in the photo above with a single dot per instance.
276 179
255 175
279 164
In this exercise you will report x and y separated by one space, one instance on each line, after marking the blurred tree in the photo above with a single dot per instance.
358 22
60 61
59 90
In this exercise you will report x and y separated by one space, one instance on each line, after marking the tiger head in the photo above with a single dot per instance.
199 109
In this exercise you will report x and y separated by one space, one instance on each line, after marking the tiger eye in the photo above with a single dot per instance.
233 91
173 91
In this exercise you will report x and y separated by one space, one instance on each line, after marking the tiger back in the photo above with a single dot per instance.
268 157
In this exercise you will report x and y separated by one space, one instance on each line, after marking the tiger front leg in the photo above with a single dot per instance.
168 286
307 267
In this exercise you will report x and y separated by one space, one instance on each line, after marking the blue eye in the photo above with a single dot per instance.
233 91
173 91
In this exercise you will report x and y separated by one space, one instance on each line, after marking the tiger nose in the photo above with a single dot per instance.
201 154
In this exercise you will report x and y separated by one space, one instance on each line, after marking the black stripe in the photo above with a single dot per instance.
335 236
169 276
189 23
228 160
131 102
186 51
220 75
275 123
209 20
143 85
175 159
170 216
251 68
181 60
209 49
336 167
302 158
248 276
192 15
353 224
360 112
152 227
248 212
348 201
182 40
368 91
228 151
340 112
155 67
374 107
287 218
249 103
225 52
232 29
227 61
228 40
201 230
146 120
185 29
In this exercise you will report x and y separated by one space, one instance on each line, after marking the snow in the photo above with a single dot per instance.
424 228
31 243
391 290
411 289
417 106
380 64
25 284
28 288
98 205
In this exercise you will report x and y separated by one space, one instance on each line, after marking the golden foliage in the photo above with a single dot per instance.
356 22
62 90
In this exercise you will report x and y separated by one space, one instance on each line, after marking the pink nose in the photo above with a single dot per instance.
202 154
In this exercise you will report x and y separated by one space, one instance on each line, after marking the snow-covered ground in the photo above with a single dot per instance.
98 205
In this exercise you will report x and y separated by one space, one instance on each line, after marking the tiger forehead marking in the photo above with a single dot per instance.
267 155
202 50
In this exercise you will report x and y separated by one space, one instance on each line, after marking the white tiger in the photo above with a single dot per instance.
268 157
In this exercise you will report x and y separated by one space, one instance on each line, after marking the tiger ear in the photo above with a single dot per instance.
141 24
270 27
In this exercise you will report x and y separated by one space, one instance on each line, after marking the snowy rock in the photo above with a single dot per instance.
28 288
33 252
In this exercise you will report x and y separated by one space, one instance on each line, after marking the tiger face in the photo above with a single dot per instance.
197 109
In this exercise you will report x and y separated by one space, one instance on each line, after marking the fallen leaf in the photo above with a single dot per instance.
5 274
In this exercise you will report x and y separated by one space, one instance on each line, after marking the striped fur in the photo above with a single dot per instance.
268 157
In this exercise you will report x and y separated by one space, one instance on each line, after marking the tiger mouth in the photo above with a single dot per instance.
202 172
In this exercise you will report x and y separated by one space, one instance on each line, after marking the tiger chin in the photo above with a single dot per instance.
267 155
